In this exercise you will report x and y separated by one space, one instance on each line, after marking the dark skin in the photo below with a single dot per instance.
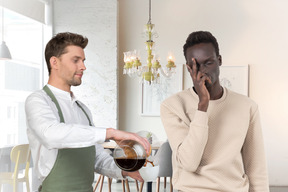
203 66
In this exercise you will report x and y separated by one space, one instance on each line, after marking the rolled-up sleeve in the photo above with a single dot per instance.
105 164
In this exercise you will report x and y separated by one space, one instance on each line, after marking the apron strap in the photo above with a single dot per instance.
51 95
84 113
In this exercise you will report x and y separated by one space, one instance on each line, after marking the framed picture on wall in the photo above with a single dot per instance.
153 95
235 78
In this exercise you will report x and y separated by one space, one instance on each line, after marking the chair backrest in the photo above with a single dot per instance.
20 154
163 158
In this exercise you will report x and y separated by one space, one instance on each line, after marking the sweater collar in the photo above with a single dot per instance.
211 101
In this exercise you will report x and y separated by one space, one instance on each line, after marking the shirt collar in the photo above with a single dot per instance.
62 94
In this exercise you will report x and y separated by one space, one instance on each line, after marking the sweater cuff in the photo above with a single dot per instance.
200 118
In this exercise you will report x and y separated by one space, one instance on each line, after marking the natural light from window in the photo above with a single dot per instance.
19 76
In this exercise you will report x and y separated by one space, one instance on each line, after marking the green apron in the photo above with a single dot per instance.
73 170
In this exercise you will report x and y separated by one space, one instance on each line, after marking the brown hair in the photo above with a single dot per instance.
57 45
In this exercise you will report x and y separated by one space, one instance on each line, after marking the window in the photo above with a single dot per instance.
19 76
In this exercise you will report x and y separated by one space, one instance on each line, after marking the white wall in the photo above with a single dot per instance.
249 32
97 20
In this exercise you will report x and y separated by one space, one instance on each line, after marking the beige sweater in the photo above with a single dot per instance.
218 150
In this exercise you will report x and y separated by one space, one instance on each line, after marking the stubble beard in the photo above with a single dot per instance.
75 82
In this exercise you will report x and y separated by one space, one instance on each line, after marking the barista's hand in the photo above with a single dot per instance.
118 136
135 175
199 78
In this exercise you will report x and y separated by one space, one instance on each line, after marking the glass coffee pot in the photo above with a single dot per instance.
129 155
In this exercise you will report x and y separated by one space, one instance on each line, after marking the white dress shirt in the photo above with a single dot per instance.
46 134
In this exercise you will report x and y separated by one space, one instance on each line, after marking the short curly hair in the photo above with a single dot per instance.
198 37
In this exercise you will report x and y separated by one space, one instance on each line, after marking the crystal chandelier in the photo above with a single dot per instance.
151 73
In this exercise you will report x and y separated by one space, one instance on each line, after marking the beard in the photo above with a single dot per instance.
74 82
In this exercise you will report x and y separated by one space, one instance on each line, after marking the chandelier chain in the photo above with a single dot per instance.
149 21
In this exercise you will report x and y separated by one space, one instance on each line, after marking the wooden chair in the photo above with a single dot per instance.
102 177
20 154
101 181
124 183
141 186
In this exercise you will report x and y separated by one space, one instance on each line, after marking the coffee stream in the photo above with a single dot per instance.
147 161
